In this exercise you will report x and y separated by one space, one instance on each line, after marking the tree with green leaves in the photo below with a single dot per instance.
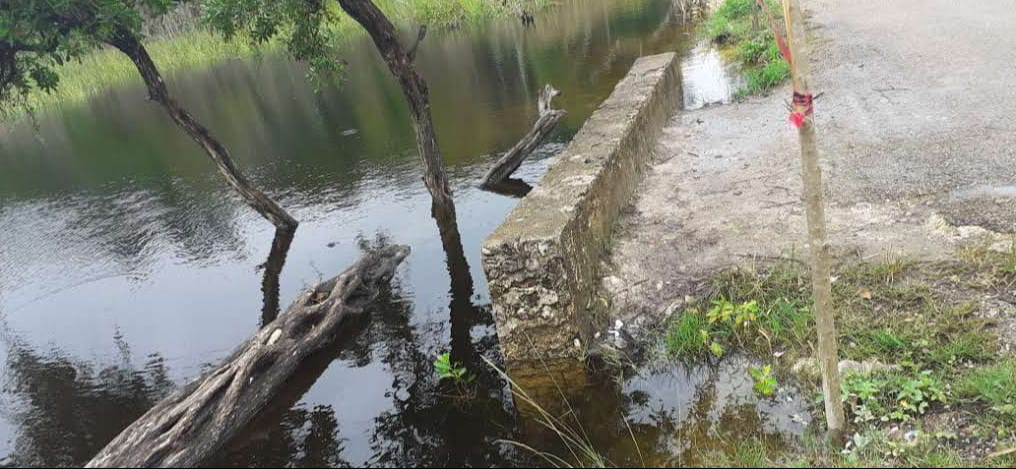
36 36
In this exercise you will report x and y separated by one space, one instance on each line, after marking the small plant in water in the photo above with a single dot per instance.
765 382
447 370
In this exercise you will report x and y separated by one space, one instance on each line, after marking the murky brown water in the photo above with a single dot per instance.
126 266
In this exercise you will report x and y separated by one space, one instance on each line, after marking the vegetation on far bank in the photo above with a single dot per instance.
199 47
930 386
742 29
104 67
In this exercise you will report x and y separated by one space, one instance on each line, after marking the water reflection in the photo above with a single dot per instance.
660 417
273 269
291 433
69 408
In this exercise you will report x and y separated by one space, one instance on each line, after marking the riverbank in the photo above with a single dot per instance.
106 67
201 47
917 160
929 376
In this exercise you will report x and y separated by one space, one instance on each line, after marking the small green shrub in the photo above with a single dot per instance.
447 370
765 382
893 397
752 41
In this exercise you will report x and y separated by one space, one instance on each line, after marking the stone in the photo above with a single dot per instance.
547 252
808 368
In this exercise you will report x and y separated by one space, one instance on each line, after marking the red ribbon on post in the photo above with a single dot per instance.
782 43
802 105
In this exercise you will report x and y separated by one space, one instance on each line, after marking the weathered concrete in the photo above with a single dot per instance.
913 149
540 263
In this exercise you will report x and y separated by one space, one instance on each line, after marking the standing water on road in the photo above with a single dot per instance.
127 267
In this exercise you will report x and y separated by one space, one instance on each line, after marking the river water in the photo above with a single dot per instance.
127 267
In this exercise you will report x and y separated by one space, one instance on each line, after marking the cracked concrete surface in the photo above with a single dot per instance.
917 136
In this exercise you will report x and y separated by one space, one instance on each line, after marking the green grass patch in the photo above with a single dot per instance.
755 310
763 78
919 317
895 396
742 30
750 455
888 311
986 265
967 347
684 336
995 386
870 448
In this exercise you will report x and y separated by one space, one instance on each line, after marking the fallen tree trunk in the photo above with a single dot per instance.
512 159
187 428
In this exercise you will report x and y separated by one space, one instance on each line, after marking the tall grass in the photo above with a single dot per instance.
455 12
572 435
106 67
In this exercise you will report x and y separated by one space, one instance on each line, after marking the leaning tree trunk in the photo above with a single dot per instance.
512 159
128 43
400 62
190 426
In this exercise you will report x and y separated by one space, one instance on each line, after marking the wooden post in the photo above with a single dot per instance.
756 17
811 175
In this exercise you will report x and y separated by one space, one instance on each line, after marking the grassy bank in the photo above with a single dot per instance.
742 31
107 67
201 48
929 384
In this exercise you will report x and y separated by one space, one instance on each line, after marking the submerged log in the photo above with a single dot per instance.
510 187
187 428
512 159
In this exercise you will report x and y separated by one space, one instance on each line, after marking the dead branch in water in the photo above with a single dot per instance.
512 159
187 428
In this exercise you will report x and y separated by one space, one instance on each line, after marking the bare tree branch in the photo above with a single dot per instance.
411 55
512 159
